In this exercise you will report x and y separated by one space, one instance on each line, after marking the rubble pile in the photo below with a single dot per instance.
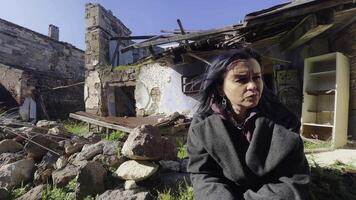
45 155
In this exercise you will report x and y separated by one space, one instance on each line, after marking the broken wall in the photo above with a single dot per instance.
25 48
101 26
159 89
29 58
11 79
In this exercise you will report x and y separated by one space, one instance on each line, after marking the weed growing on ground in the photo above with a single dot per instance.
318 145
116 136
184 192
182 150
77 128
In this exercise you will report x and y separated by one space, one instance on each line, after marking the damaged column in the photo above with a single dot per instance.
101 25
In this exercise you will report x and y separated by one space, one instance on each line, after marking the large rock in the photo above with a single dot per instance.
62 177
16 173
91 180
10 146
136 170
34 149
89 151
7 158
111 156
34 194
146 143
121 194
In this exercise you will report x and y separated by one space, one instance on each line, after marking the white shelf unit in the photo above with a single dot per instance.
326 98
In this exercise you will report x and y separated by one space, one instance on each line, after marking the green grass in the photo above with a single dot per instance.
184 192
318 145
182 150
116 136
77 128
55 193
20 191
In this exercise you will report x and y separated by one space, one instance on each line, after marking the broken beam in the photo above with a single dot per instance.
100 123
178 38
143 37
307 29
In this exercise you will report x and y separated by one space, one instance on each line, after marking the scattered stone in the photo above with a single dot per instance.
91 180
62 177
10 146
125 195
7 158
34 194
54 131
71 148
170 165
136 170
45 168
45 123
109 161
6 134
4 193
61 162
89 151
130 185
111 148
36 151
14 174
146 143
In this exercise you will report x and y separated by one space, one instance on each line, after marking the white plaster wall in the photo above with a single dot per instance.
169 83
92 90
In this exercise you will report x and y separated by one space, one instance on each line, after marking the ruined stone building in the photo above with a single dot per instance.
30 59
163 82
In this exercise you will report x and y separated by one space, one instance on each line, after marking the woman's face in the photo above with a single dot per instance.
243 84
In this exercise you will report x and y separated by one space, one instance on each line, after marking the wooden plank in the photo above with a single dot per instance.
290 12
307 29
100 123
178 38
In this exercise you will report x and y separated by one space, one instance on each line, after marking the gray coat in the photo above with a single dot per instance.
273 167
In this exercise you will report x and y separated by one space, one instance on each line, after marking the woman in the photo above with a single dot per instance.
243 143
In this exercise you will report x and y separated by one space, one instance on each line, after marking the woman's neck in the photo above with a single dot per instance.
239 113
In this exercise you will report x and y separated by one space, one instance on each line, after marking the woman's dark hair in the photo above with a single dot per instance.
215 72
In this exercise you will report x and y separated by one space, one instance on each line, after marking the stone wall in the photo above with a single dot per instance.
11 79
28 58
101 25
30 50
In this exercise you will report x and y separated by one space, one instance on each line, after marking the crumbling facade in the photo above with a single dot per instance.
104 85
28 58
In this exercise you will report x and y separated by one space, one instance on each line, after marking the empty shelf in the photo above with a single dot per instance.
319 125
320 92
323 73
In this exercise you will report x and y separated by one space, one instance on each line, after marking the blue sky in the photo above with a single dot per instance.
143 17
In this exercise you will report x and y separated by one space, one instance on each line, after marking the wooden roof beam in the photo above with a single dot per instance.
307 29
